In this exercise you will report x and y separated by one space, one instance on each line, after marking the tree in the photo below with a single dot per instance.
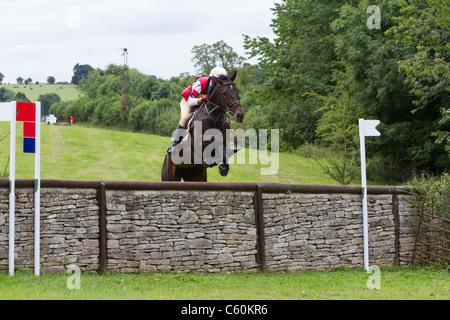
425 27
443 136
338 128
398 73
51 80
80 71
301 59
28 81
47 100
1 77
375 83
19 80
206 57
6 95
21 97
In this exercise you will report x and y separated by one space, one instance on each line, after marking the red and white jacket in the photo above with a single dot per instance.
192 93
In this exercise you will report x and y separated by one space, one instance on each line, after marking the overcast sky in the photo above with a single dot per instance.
42 38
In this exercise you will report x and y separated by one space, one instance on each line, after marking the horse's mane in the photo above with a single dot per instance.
223 77
212 84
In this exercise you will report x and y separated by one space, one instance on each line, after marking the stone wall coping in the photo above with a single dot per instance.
266 187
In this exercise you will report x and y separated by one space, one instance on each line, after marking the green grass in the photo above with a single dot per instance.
343 284
33 91
89 153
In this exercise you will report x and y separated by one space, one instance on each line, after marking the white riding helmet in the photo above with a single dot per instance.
218 71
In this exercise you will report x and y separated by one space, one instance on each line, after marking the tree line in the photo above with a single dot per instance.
152 104
79 72
328 67
20 80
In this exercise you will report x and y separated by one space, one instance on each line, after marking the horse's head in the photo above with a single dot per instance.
226 95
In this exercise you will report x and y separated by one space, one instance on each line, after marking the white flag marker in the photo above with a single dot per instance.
367 128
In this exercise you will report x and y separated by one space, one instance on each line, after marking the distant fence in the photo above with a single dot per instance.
205 227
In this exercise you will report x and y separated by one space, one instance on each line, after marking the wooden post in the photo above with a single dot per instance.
102 228
259 221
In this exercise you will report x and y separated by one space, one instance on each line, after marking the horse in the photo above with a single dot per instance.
213 115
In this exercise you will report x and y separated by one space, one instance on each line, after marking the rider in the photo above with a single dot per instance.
193 97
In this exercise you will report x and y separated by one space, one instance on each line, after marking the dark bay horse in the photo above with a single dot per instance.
206 143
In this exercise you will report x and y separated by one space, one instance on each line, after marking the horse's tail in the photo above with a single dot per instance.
168 172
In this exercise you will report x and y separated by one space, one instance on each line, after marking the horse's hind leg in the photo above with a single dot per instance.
204 176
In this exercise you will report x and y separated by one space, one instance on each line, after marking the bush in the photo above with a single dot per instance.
167 122
108 111
60 110
136 117
161 117
82 109
432 194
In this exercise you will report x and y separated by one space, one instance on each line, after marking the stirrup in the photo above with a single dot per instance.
177 139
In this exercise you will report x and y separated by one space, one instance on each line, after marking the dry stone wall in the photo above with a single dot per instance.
154 231
205 231
69 229
319 231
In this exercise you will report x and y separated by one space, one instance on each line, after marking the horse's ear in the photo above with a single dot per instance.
233 76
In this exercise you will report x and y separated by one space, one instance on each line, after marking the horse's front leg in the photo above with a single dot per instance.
224 167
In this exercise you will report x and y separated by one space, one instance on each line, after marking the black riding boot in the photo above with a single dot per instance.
177 139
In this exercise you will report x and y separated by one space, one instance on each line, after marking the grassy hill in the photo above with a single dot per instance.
88 153
33 91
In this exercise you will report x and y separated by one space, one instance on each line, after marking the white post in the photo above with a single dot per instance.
12 188
364 197
37 190
366 128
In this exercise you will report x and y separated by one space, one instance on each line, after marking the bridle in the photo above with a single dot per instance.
227 107
225 111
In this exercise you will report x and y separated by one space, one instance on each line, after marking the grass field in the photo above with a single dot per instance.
33 91
89 153
342 284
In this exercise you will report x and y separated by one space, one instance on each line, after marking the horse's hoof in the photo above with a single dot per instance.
223 169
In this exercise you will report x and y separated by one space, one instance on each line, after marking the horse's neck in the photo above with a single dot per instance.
212 112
